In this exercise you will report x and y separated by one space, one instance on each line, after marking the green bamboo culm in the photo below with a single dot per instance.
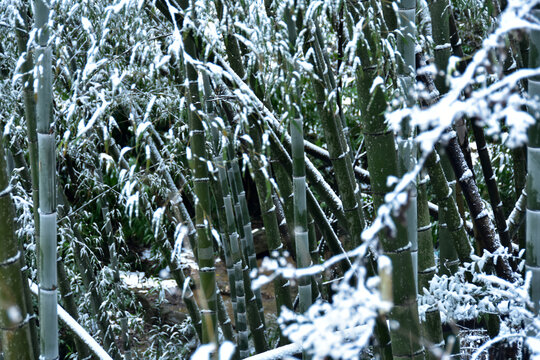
533 168
14 321
301 234
439 10
406 145
382 163
234 246
23 26
244 221
261 172
48 317
443 195
431 325
338 149
448 257
240 260
205 246
303 257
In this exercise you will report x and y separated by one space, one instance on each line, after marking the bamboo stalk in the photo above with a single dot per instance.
407 151
241 322
533 169
476 206
441 37
14 318
519 165
64 284
301 235
202 204
493 189
444 198
244 221
517 216
260 171
338 150
449 259
383 162
48 317
431 327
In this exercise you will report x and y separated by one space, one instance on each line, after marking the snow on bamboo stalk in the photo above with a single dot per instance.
244 220
253 310
338 149
493 189
448 257
14 321
241 320
441 36
260 172
303 258
301 234
519 165
22 32
48 317
406 145
382 163
198 163
533 167
517 216
445 199
381 155
29 101
479 215
279 137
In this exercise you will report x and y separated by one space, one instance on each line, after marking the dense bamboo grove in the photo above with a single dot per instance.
236 179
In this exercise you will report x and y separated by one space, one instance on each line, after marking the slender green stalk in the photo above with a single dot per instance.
338 150
519 165
533 167
517 216
48 317
223 230
14 321
448 257
406 146
29 102
382 160
23 27
431 327
201 188
443 194
261 172
244 220
246 302
303 258
440 10
382 163
241 321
